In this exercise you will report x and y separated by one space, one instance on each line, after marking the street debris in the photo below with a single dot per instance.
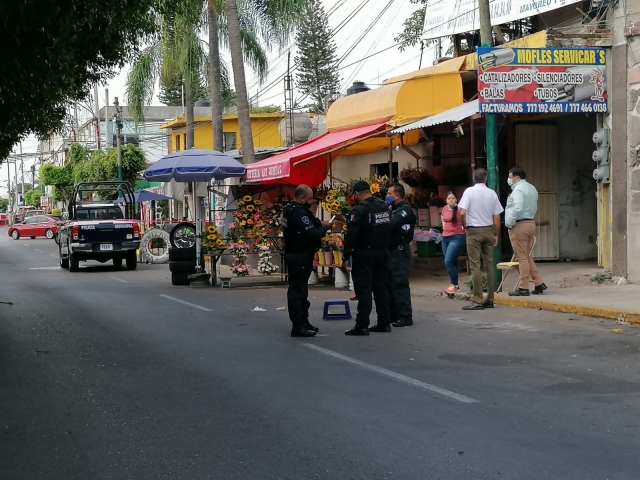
618 330
282 309
258 309
622 319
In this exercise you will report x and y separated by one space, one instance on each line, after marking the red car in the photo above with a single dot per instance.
39 226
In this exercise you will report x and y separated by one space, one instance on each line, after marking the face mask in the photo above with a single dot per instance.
389 200
510 182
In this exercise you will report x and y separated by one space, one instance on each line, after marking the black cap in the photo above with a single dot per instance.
361 186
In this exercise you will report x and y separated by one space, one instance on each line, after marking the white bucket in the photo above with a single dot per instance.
342 281
313 278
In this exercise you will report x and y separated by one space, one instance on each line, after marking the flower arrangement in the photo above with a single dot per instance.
336 203
274 212
418 200
249 212
418 178
240 249
377 184
211 239
265 266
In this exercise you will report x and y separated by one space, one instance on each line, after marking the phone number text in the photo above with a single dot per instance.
543 107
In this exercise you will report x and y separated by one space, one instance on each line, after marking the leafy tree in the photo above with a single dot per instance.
412 26
4 204
171 92
32 197
70 45
318 70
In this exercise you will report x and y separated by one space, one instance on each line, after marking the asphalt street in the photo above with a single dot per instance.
110 374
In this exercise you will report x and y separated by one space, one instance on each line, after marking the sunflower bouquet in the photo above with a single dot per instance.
211 239
336 202
377 184
249 212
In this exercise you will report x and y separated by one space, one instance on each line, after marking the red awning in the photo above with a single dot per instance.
280 169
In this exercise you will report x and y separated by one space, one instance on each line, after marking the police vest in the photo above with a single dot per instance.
295 238
376 226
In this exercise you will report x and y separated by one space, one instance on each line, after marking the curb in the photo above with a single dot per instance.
584 310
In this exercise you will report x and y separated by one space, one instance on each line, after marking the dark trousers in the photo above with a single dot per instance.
400 293
299 266
370 273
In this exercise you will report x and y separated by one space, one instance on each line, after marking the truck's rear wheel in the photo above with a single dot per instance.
74 262
132 261
64 262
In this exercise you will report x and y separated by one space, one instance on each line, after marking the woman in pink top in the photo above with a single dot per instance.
453 240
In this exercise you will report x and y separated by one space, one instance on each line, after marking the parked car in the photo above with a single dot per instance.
32 213
18 215
39 226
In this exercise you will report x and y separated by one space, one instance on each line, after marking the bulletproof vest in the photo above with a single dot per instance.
405 235
376 227
295 238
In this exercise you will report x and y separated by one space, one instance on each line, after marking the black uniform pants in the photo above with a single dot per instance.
299 266
400 294
370 272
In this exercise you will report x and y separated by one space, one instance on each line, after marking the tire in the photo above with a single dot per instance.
182 254
64 262
147 248
132 261
183 235
180 279
32 238
185 266
74 263
49 234
15 234
117 263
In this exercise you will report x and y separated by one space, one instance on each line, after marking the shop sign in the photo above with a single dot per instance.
542 80
271 169
450 17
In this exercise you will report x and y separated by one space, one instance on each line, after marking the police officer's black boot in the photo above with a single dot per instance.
302 331
311 327
403 323
381 328
358 331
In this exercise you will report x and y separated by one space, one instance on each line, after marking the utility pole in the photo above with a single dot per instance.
9 186
97 115
288 104
491 123
106 118
118 119
22 168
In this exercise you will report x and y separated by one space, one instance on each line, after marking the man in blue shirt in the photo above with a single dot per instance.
521 209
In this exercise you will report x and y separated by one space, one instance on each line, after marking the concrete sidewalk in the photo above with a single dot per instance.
574 287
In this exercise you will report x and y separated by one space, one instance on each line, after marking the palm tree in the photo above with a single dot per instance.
276 20
178 51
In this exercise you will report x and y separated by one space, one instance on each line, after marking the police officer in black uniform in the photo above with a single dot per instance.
403 222
367 241
302 239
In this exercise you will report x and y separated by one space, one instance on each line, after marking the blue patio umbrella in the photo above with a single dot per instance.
145 196
195 165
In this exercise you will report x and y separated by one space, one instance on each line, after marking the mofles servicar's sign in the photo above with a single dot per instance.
542 80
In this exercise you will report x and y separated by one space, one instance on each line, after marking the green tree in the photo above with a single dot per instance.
412 27
4 204
71 45
32 198
317 62
177 51
266 109
171 93
277 20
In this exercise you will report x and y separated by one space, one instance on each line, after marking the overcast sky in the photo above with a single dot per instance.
372 71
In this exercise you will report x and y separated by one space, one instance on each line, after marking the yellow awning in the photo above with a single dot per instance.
450 66
397 103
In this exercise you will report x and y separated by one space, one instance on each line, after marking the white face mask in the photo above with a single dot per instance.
510 181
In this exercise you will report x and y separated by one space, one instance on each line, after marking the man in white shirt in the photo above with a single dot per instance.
480 211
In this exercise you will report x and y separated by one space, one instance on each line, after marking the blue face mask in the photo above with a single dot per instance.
389 200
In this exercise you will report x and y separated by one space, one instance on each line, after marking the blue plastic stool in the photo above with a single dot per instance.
336 316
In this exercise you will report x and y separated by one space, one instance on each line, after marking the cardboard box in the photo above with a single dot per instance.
424 218
434 213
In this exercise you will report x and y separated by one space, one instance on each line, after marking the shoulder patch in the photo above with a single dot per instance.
403 213
306 220
353 217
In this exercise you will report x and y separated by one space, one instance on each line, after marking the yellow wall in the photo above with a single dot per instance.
263 126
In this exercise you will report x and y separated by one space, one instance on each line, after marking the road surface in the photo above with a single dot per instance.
118 375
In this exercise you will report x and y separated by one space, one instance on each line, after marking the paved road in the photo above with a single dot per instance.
118 375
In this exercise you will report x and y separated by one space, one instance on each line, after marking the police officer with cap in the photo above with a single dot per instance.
367 240
403 222
302 239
